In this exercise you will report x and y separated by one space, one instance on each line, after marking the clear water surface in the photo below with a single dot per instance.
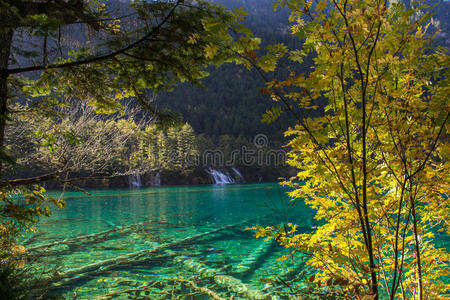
123 222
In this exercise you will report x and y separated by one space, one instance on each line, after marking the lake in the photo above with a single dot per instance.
121 240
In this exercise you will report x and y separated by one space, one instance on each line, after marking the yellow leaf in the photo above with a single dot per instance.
211 51
321 5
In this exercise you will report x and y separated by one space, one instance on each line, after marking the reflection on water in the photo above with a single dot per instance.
191 220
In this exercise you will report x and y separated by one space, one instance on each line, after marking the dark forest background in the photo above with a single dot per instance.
230 102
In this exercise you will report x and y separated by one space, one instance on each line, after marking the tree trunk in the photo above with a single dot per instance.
6 35
73 11
416 248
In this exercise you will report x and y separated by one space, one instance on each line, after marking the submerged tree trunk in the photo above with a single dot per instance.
231 283
76 274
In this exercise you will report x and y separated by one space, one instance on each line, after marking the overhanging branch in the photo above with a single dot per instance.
98 58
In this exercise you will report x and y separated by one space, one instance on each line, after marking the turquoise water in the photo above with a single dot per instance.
215 217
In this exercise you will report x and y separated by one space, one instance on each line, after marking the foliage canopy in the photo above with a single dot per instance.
374 165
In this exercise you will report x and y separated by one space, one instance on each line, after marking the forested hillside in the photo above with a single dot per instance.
230 102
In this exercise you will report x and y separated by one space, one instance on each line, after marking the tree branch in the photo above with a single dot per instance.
99 57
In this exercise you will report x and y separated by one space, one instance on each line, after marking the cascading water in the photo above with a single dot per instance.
221 178
260 178
156 179
135 180
238 174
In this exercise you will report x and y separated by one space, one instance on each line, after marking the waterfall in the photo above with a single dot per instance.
135 180
238 174
156 179
260 178
220 178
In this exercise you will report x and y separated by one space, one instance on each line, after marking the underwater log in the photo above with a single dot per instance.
231 283
132 257
256 257
103 235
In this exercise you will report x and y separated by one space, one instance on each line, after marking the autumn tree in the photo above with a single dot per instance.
374 164
78 142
